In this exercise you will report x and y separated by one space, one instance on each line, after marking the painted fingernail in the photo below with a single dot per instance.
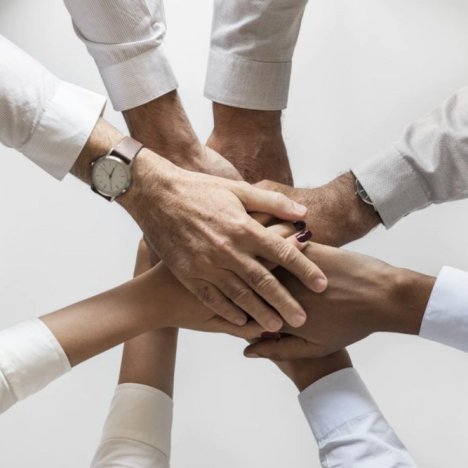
320 284
300 226
251 355
304 236
270 336
301 209
297 320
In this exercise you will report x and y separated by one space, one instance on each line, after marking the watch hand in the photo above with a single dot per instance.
112 172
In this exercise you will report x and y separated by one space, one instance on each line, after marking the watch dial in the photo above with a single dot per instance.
111 176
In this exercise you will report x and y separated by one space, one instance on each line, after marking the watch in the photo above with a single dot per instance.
111 174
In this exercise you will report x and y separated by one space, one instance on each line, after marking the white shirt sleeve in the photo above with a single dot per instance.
137 432
446 317
350 430
46 119
125 38
30 358
428 164
252 46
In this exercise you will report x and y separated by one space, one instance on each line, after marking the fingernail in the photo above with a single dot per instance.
304 236
251 355
299 226
297 320
300 209
270 336
320 284
273 325
240 321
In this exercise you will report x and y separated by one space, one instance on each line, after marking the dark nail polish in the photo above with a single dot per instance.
304 237
300 225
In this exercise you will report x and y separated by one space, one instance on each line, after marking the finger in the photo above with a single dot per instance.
263 218
267 286
265 201
250 331
289 347
219 303
282 229
242 295
297 241
282 253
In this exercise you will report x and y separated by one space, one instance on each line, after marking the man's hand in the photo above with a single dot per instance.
364 296
336 215
200 227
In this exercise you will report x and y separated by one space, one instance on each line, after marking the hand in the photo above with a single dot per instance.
184 310
336 215
364 296
200 227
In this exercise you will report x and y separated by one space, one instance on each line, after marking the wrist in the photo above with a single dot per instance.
305 372
359 217
228 118
148 170
163 126
407 300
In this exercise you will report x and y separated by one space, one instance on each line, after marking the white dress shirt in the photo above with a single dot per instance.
46 119
428 164
250 57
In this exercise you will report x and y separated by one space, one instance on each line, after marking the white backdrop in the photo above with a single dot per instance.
363 70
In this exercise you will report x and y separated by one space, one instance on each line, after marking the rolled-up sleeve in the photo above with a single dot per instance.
252 46
428 164
126 41
137 432
46 119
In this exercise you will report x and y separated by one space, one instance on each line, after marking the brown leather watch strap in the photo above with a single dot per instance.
127 149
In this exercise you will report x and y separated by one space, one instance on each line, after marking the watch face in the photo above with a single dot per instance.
111 176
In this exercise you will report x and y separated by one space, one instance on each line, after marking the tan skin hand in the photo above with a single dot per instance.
364 296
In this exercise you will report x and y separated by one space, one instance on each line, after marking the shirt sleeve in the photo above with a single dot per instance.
252 46
446 317
30 358
46 119
350 430
137 432
428 164
126 41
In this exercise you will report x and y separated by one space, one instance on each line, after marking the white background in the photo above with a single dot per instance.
363 70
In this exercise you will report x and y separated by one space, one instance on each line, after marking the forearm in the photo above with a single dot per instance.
97 324
149 360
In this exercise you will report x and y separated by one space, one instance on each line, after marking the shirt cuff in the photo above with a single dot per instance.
64 128
335 400
139 80
392 185
140 413
30 358
235 81
446 317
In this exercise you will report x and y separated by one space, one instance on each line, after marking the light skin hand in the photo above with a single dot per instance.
335 213
199 225
364 296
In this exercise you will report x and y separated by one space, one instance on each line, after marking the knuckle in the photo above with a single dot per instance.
286 253
258 277
242 296
206 295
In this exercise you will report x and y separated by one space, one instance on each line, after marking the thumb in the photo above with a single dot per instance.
273 203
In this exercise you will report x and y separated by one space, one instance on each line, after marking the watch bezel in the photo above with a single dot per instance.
122 163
